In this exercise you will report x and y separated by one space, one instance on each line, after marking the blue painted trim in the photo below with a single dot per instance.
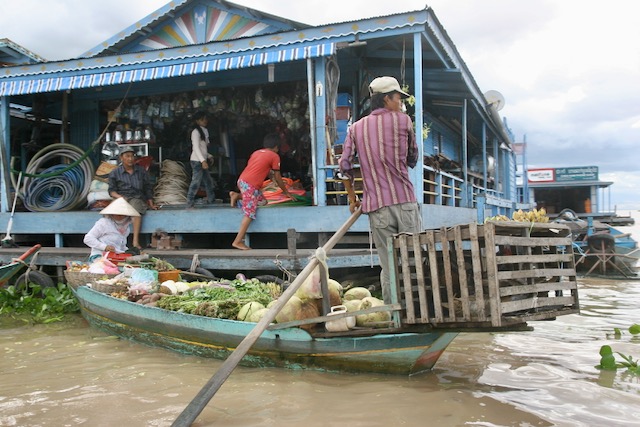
4 139
320 153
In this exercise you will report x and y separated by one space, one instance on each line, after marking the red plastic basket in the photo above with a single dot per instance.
115 258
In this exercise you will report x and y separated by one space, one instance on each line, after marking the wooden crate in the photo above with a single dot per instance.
497 274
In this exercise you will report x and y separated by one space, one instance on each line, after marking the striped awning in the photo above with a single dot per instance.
89 78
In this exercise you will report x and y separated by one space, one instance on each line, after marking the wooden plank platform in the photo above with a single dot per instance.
213 259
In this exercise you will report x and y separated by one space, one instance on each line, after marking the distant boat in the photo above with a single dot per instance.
599 247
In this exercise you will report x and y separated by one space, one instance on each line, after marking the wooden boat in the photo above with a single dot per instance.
430 305
388 353
8 271
599 247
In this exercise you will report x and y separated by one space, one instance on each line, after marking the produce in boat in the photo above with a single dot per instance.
357 293
291 311
372 319
248 309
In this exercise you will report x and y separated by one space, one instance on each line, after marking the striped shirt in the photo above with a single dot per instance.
136 185
385 144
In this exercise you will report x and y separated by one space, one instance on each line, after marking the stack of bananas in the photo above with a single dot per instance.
536 215
498 218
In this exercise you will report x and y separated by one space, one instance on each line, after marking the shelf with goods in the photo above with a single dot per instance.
335 190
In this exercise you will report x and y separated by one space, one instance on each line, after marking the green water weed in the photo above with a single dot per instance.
34 304
608 359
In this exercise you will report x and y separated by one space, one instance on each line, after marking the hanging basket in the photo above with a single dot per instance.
107 288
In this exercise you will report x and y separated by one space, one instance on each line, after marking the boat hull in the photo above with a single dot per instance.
403 353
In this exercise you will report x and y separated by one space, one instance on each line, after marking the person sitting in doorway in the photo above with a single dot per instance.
131 182
110 233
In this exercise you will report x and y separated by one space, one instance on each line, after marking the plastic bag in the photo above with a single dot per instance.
143 275
103 266
311 287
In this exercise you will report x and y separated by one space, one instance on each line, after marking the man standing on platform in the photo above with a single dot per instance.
385 144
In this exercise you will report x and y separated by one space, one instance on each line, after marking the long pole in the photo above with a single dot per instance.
191 412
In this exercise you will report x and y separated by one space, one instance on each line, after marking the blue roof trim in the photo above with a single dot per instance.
100 78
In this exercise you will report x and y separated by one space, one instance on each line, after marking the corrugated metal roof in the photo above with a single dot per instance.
13 54
176 24
333 33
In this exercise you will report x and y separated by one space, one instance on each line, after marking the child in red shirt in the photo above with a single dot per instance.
261 163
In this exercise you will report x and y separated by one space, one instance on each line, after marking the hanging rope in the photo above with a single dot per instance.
333 80
402 63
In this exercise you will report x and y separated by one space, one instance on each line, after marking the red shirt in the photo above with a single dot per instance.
260 164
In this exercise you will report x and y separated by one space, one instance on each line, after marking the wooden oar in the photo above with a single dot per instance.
191 412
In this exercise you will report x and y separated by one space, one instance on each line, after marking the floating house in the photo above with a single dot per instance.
254 73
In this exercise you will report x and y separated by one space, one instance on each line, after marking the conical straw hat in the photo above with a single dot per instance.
120 207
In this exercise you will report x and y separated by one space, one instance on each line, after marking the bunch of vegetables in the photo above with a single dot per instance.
161 265
221 299
249 300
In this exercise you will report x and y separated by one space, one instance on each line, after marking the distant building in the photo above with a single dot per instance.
576 187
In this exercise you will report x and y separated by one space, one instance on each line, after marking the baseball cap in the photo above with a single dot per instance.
386 84
127 150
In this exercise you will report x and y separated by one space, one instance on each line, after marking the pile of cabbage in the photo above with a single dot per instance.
249 300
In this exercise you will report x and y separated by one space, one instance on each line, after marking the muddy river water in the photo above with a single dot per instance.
68 374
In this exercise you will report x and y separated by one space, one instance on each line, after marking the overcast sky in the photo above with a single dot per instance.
569 70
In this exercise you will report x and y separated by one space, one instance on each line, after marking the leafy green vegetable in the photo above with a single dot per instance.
223 299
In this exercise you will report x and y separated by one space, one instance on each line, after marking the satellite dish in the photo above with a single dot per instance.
494 98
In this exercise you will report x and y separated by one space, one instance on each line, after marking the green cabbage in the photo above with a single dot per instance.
248 309
357 293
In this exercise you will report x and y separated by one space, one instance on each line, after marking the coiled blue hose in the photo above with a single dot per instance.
57 189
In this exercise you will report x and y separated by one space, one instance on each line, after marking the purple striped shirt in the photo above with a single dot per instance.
385 143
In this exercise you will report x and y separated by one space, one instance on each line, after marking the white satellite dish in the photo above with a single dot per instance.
494 98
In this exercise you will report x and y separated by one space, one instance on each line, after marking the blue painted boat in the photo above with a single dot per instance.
405 353
600 247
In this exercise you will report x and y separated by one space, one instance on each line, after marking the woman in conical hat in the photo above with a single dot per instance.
110 233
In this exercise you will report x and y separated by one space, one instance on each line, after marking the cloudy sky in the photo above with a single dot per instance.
568 69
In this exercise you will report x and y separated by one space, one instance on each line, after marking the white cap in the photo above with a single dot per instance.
386 84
